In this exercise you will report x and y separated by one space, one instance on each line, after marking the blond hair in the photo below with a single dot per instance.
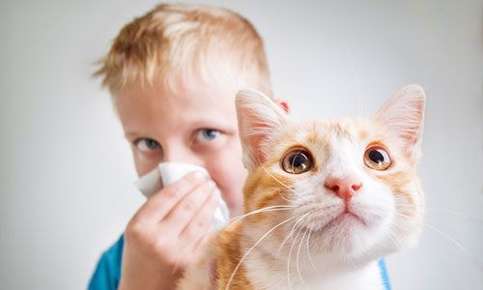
175 41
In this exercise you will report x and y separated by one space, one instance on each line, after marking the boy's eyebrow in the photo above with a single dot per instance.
214 122
198 124
131 134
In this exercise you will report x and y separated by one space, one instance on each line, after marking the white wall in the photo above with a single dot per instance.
66 174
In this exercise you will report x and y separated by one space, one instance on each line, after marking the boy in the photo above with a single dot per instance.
173 74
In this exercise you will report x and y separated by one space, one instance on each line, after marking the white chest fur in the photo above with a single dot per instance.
268 277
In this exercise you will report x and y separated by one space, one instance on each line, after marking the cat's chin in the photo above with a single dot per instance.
344 221
347 233
347 219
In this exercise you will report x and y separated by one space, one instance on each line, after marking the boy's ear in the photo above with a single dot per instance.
403 115
258 119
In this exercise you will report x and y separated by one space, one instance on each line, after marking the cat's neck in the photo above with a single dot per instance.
269 274
267 267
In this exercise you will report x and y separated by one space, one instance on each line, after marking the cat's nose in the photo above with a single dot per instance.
345 188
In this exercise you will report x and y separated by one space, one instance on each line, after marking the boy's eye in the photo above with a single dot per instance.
147 144
206 135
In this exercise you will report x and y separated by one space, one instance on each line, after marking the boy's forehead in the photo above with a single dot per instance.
195 94
139 105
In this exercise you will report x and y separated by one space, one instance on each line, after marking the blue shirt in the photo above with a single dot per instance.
108 270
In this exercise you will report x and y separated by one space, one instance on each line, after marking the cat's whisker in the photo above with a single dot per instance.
394 240
449 211
263 210
279 182
292 245
452 241
457 244
298 257
292 230
289 283
309 254
247 253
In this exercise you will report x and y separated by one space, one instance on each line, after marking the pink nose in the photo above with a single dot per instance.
345 188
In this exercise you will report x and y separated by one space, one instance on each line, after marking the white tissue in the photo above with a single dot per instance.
169 172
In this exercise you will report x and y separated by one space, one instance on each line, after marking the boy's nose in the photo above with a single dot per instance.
345 187
183 156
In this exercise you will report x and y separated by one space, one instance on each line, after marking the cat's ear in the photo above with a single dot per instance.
403 115
259 117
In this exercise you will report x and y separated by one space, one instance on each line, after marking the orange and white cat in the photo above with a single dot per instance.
323 201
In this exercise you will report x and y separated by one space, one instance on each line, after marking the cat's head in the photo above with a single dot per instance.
350 185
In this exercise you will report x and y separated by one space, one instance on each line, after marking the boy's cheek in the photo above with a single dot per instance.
234 195
231 185
228 172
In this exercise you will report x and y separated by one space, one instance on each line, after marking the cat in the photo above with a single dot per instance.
323 201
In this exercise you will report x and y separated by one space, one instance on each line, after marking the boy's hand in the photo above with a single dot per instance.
165 234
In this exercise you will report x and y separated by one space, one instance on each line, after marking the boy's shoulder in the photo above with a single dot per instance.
108 269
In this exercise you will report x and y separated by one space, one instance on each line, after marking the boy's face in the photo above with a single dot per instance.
198 125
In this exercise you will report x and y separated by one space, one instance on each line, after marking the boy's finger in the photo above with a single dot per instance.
161 203
203 239
199 244
201 222
182 214
195 237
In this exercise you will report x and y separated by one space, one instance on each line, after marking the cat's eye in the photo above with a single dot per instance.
377 157
297 161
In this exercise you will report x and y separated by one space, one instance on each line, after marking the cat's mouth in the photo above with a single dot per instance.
347 215
346 218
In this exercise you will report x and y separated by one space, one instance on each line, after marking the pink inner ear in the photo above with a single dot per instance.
285 106
415 131
258 117
255 139
403 115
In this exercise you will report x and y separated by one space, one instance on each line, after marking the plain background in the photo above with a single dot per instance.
66 172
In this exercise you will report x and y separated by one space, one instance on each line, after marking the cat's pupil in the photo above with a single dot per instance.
376 156
299 160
